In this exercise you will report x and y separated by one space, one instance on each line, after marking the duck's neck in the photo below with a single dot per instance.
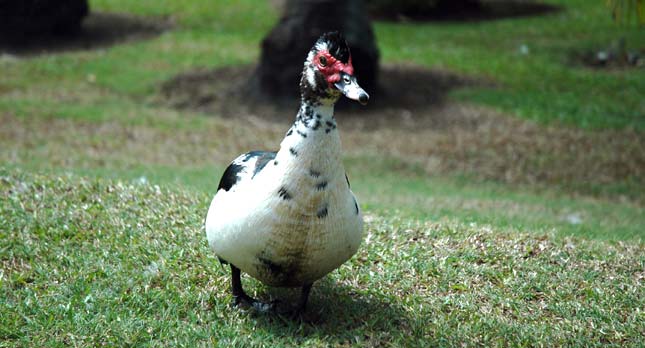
313 141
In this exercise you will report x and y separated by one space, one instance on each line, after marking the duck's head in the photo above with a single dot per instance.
328 72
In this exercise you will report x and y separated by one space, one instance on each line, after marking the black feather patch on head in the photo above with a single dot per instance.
336 44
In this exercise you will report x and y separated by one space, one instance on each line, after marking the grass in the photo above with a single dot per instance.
438 198
103 192
544 85
89 262
169 149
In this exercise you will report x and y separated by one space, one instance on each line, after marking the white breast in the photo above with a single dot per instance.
294 221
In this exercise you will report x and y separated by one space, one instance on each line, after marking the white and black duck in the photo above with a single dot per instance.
289 217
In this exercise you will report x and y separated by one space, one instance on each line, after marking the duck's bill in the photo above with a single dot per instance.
350 88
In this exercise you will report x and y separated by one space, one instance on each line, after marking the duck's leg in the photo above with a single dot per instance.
304 296
240 298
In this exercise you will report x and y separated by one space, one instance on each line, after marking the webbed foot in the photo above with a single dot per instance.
248 302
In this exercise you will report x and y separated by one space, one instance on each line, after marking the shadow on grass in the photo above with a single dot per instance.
98 30
339 312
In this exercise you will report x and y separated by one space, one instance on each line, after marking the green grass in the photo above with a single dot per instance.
543 85
104 262
415 196
103 193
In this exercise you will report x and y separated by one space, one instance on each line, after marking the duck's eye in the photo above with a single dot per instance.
323 61
346 79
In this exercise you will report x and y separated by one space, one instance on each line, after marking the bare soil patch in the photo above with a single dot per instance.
98 30
412 119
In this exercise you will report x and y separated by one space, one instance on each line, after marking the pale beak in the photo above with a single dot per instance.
350 88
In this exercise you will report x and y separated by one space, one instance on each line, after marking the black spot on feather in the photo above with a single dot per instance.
293 152
304 135
284 194
322 212
321 186
314 173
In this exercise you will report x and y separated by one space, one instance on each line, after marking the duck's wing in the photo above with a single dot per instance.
244 168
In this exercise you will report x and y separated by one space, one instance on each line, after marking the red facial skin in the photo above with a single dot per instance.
333 68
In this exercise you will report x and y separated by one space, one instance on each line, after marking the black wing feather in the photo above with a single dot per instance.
233 172
230 177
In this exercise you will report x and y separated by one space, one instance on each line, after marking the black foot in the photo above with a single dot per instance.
245 301
298 315
304 316
241 299
299 312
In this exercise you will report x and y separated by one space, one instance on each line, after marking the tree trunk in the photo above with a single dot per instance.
285 48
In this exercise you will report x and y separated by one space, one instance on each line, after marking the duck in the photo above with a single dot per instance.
288 218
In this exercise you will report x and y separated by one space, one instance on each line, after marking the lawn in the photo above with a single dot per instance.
104 188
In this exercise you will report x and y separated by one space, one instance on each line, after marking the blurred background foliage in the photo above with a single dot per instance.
628 11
